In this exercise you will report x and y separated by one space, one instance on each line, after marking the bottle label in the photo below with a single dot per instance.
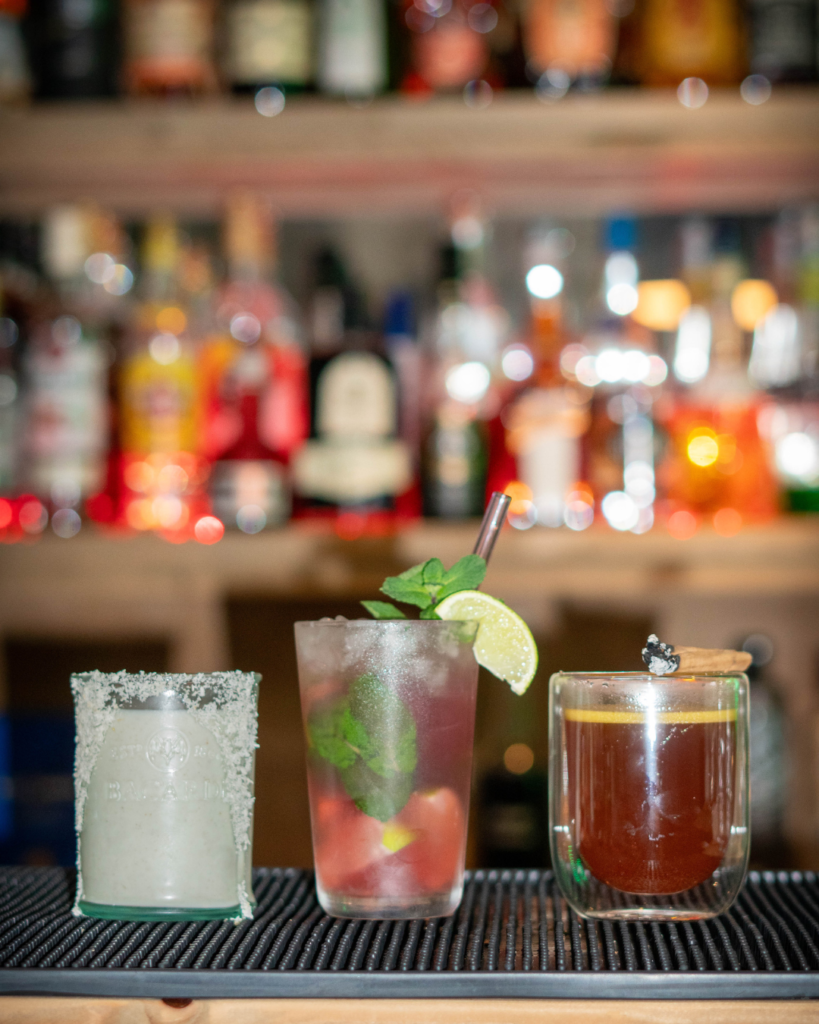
576 36
355 398
350 472
269 41
159 406
169 39
243 488
353 47
66 422
450 54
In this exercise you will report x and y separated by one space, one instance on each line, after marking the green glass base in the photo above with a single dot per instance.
109 912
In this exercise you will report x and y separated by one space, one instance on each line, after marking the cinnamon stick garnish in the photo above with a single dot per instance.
664 659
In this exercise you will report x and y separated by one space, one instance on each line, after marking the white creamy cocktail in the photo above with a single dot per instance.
164 794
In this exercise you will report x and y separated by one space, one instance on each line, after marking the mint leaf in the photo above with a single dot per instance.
374 795
433 572
466 574
370 736
385 717
326 738
383 610
429 613
357 738
415 572
407 591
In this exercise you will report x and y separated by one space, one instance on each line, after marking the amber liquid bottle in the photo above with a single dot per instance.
677 39
169 47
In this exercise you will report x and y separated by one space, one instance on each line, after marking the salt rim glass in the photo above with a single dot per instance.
648 793
164 794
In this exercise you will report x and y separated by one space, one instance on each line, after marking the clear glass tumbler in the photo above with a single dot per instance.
648 793
389 715
164 794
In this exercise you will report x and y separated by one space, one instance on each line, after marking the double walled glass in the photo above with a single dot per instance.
389 715
164 794
648 801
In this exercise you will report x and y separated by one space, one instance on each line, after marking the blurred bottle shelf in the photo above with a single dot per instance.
586 154
780 558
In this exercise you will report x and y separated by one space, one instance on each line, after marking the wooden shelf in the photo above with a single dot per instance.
635 149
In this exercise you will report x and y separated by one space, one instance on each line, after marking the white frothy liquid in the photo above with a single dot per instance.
156 827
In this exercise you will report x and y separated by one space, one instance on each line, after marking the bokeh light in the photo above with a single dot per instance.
66 523
33 517
171 320
703 447
517 362
727 522
692 93
620 510
251 519
660 304
544 281
269 101
682 524
468 382
518 758
751 301
164 349
208 530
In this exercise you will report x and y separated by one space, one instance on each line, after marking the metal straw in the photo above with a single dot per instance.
493 519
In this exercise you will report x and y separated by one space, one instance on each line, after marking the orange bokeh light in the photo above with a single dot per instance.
751 301
660 304
682 524
209 530
727 522
521 495
5 513
171 320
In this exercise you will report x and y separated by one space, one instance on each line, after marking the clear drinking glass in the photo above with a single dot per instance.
389 713
648 793
164 794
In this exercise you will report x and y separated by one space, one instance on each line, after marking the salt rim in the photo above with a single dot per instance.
229 713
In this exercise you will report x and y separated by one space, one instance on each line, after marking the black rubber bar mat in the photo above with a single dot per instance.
512 937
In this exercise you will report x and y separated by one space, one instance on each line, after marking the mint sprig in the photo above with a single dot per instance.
426 584
370 736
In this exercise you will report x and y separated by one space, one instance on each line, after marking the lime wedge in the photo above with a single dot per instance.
504 643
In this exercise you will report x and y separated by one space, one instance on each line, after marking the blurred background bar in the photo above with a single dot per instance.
289 287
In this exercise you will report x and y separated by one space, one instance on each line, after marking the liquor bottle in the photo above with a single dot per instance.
355 465
546 423
716 464
162 471
690 39
449 45
9 399
169 47
569 42
352 47
403 350
15 80
268 42
74 48
784 39
254 379
65 428
468 334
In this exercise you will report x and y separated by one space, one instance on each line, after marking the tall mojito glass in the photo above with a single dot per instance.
389 714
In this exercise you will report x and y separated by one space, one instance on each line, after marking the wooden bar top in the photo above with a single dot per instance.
37 1010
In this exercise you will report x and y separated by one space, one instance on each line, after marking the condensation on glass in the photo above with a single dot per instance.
389 712
648 793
